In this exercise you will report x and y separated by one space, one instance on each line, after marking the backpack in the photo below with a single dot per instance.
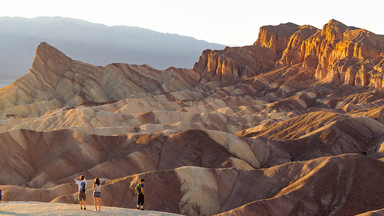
82 186
138 188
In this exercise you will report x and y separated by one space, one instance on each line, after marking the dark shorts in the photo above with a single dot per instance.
96 194
82 196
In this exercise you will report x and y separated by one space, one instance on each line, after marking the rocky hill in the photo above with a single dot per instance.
336 53
290 125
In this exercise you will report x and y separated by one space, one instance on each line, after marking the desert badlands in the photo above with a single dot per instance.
290 125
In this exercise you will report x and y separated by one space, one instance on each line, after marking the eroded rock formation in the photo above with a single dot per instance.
337 52
292 124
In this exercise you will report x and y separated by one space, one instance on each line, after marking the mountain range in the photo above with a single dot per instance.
290 125
92 43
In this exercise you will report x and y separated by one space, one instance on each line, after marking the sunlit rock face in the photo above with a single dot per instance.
292 124
337 52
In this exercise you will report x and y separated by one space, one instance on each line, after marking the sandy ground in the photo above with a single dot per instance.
40 208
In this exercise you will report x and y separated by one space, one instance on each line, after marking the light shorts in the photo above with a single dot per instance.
96 194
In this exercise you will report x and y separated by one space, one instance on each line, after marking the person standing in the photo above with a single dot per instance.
97 193
82 183
1 194
140 195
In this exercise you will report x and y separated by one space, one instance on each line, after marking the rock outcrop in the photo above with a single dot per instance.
292 124
337 52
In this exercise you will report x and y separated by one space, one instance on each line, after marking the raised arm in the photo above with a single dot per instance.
76 179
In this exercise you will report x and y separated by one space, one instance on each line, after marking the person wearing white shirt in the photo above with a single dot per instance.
82 183
97 193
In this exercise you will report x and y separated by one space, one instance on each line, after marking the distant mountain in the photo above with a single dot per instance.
93 43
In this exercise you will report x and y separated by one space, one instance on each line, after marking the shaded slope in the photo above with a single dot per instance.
36 159
324 186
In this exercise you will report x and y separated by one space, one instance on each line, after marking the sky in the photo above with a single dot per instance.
229 22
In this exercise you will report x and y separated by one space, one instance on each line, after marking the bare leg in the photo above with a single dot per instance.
95 201
99 203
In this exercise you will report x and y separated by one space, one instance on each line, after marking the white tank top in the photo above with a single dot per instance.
97 188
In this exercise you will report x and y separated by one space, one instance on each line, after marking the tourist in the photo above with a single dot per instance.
140 195
82 183
97 193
